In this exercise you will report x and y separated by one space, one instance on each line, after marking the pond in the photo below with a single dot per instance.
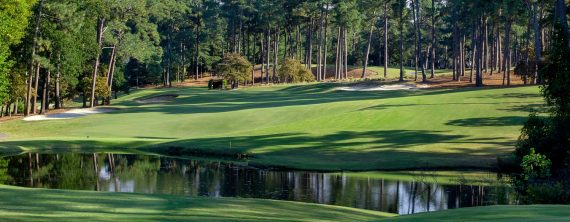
185 177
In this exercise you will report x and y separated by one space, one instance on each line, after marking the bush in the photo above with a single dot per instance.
546 193
526 70
533 134
292 71
535 165
235 68
217 84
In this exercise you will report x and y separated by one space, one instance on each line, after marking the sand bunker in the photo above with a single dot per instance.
71 114
370 88
157 99
3 136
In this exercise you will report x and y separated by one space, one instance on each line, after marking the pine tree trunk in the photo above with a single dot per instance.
454 50
345 54
197 53
416 49
32 57
268 53
45 93
473 52
485 47
537 42
479 53
366 57
262 55
110 73
401 8
36 88
100 27
476 57
324 73
15 110
58 83
500 48
492 56
560 13
463 55
418 16
508 51
275 56
385 40
337 65
320 48
433 42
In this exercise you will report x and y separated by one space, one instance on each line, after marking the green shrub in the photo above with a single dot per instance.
217 84
535 165
292 71
235 68
546 193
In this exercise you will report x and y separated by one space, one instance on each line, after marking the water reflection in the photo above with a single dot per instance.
160 175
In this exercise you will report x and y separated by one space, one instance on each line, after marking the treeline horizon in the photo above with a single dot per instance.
56 51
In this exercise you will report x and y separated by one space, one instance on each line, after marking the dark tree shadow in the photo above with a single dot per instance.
492 121
198 100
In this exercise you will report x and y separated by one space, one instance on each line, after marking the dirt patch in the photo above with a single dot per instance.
157 99
3 136
70 114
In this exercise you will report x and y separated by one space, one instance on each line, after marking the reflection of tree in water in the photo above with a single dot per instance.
4 177
51 171
154 174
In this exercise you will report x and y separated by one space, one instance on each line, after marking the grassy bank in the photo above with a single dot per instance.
494 213
22 204
303 126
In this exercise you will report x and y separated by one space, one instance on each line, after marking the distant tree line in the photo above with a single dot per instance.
54 51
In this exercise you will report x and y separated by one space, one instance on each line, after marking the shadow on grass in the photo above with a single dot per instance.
349 150
197 100
514 95
387 106
496 121
528 108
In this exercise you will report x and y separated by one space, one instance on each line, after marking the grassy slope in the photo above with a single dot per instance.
22 204
304 126
494 213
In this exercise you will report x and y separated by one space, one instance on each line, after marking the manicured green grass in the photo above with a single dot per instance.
494 213
302 126
22 204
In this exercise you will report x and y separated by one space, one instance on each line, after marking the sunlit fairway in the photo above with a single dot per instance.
22 204
493 213
302 126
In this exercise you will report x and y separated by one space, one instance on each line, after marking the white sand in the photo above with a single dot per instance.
71 114
383 88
